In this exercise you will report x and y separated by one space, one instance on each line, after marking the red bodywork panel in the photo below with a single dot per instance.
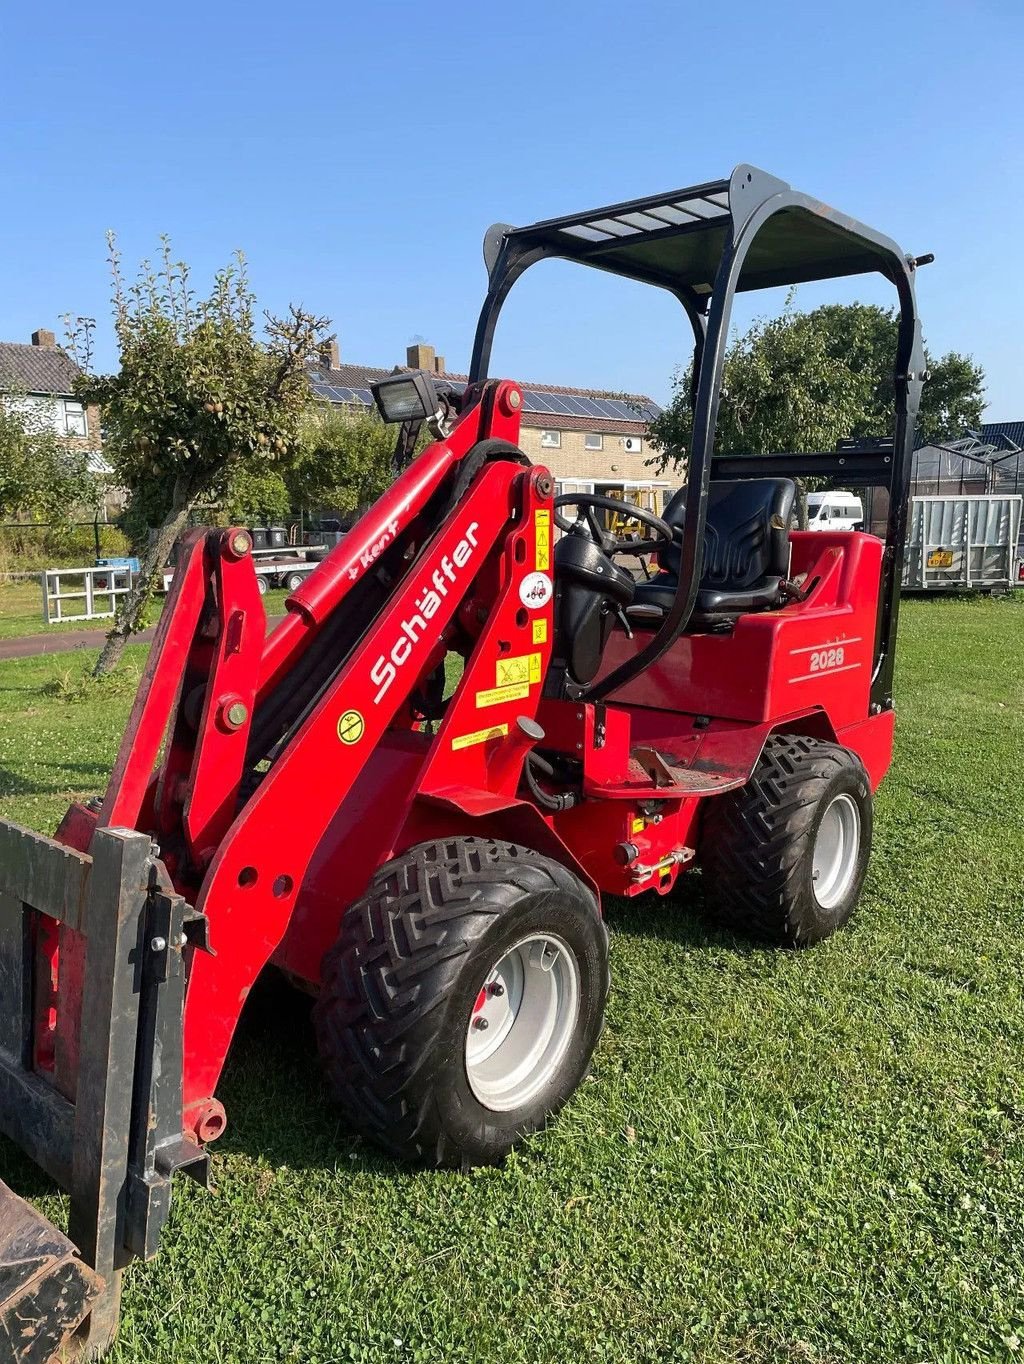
273 853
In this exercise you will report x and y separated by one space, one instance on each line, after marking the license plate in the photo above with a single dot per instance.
940 558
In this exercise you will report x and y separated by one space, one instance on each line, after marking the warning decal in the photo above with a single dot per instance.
351 727
540 632
497 695
542 529
524 668
480 736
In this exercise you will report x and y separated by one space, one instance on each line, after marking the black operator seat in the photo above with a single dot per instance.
746 551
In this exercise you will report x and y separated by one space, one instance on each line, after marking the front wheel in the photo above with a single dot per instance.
463 1000
784 858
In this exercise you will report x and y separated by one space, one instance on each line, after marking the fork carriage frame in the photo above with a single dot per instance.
113 1137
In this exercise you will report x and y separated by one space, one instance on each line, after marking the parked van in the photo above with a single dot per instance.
836 510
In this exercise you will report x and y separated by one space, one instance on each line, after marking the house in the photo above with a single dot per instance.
591 440
43 375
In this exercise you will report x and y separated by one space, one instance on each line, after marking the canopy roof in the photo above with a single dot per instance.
677 239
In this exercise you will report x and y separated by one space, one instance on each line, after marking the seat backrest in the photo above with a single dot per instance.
747 536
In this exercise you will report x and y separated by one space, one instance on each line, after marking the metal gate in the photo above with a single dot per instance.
962 543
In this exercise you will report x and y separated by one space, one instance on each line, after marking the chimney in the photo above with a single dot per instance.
330 353
438 364
44 340
420 357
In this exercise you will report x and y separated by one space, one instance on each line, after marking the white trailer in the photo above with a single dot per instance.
957 544
285 568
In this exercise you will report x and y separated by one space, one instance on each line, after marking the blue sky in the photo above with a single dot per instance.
357 153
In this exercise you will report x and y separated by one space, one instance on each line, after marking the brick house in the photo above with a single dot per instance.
43 376
46 375
592 441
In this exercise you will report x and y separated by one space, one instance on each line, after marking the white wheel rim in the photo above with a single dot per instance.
522 1022
836 851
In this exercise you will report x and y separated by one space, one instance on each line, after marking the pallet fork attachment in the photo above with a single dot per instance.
113 1141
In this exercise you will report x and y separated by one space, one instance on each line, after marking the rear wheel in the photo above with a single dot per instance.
294 581
262 585
784 858
463 1000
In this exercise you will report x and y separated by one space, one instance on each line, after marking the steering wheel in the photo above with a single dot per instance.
588 503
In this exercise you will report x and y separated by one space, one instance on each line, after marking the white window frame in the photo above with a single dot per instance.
591 436
75 409
551 440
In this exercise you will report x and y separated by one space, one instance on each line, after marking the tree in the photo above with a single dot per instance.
200 394
44 476
802 381
345 459
256 496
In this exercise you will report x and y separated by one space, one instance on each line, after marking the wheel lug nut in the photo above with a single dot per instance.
480 1024
496 988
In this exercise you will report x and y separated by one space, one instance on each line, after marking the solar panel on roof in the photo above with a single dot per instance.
536 402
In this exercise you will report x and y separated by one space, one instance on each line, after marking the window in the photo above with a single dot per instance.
592 441
74 418
551 440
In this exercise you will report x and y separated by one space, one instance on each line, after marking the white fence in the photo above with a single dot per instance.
82 593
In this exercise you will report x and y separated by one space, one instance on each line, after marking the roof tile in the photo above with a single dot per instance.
37 369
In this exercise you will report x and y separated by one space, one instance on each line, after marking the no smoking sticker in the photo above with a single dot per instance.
351 727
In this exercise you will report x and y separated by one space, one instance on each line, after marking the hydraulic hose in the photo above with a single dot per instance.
565 800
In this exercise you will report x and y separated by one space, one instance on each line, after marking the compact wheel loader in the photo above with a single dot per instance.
429 859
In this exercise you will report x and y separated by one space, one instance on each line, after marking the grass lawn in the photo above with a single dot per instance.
778 1158
21 611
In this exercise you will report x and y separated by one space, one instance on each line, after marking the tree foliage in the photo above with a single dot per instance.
44 476
256 497
203 390
802 381
345 459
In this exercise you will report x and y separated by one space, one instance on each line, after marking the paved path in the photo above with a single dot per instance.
63 641
26 646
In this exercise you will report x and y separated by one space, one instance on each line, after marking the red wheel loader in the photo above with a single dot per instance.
429 859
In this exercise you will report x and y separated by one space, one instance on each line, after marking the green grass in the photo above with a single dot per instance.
812 1157
21 611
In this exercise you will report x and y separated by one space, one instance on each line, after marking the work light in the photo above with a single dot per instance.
406 397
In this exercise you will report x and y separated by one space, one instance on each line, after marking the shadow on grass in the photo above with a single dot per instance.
680 917
280 1108
14 784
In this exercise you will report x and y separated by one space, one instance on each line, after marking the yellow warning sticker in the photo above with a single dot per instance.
480 736
497 695
540 632
523 668
350 727
542 529
638 826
